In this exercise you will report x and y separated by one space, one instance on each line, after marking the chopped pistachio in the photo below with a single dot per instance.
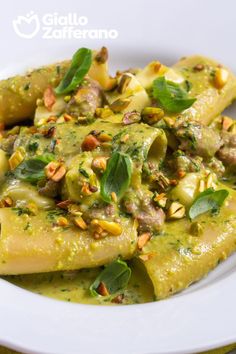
143 239
6 202
62 221
103 112
207 182
111 227
162 180
51 168
64 204
124 138
79 221
85 190
131 117
176 211
67 98
74 209
226 123
201 187
156 66
198 67
181 173
99 163
67 117
124 83
102 56
104 137
169 121
196 229
119 105
16 158
210 180
33 208
146 257
160 200
220 78
52 119
152 115
102 290
55 171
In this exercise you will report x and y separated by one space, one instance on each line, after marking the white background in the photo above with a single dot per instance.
164 29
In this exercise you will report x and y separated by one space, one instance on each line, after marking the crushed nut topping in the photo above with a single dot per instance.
152 115
90 143
176 211
49 98
79 221
143 239
110 227
220 78
16 158
120 104
123 83
55 171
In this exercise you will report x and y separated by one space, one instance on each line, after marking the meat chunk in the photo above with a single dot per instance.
100 211
179 161
139 204
50 189
86 100
198 139
216 166
7 144
227 153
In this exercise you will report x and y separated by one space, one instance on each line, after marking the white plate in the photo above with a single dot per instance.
201 318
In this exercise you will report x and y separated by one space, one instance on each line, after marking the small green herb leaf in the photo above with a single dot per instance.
116 177
80 65
33 146
83 172
171 96
115 277
209 200
20 211
32 170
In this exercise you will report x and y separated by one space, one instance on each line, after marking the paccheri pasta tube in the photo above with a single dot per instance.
186 252
33 244
113 169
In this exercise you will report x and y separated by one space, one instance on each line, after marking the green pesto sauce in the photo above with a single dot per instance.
74 286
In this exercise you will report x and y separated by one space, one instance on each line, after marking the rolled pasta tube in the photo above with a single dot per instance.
18 94
177 259
30 244
134 92
211 100
142 140
99 71
25 193
144 143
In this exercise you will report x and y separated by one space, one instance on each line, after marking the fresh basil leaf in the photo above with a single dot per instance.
115 277
32 170
80 65
117 176
172 97
209 200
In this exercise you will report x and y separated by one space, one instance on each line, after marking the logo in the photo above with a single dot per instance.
56 26
27 26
